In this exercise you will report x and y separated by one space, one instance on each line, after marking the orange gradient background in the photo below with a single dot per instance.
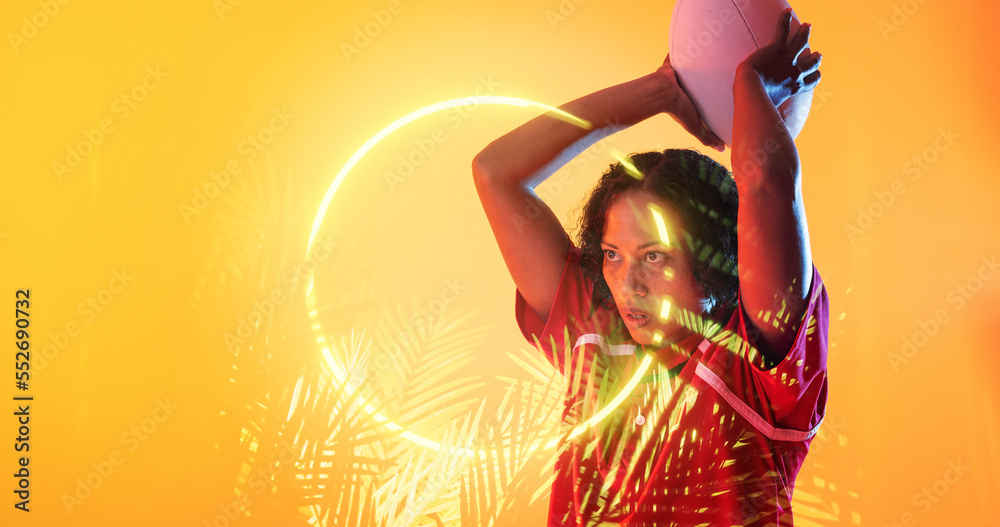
887 93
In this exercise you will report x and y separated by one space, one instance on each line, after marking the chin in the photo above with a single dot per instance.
641 338
644 335
670 333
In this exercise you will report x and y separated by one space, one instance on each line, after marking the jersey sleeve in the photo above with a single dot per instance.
796 387
569 316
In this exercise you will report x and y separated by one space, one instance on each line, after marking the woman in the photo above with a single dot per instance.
717 428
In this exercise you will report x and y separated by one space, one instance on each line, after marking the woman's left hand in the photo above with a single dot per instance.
683 110
786 67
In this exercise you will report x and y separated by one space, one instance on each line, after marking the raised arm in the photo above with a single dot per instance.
532 241
775 261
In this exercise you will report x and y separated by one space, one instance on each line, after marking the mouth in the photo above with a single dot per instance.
635 318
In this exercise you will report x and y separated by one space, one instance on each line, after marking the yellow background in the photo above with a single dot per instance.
891 430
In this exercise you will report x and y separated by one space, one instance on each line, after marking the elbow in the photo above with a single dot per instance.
487 169
480 168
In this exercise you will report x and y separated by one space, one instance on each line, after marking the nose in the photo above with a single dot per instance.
634 282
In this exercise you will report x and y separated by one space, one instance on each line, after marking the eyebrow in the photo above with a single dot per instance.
643 246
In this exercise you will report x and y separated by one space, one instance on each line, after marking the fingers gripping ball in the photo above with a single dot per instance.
709 39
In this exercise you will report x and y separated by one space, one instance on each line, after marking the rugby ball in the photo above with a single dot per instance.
709 39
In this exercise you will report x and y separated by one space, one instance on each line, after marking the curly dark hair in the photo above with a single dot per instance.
703 192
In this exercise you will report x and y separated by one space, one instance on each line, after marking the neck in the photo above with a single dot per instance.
675 351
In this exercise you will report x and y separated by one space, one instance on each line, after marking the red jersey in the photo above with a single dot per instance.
708 434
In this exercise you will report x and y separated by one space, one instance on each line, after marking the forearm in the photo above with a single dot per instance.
774 259
518 156
764 153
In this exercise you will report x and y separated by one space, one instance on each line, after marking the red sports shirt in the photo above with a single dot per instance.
708 435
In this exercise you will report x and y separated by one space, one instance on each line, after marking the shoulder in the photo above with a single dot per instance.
811 329
574 311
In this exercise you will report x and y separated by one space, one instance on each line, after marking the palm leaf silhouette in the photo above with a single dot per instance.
310 449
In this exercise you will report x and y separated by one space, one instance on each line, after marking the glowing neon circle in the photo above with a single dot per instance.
340 375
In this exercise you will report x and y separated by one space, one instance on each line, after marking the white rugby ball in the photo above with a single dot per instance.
709 39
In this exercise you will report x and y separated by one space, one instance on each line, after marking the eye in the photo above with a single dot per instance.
609 254
657 256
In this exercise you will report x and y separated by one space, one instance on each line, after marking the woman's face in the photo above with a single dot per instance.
648 268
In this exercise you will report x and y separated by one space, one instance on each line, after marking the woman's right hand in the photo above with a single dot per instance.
683 110
786 67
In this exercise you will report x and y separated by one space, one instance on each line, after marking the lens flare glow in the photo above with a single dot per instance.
665 309
626 164
661 225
